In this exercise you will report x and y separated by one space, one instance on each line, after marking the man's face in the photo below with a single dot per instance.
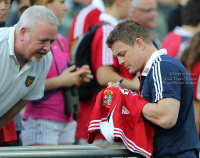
4 8
145 13
38 42
58 7
131 57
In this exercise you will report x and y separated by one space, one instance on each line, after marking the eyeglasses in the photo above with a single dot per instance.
145 10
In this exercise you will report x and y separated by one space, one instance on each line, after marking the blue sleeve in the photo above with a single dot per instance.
165 81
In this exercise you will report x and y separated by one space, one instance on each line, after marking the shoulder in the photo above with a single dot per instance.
168 62
4 34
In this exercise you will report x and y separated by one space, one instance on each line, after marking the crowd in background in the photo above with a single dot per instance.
169 28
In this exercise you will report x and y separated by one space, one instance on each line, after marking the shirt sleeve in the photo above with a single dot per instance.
37 92
166 80
101 54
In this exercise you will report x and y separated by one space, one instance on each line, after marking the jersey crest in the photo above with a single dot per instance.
29 80
107 98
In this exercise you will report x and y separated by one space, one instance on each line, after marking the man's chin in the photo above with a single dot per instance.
34 59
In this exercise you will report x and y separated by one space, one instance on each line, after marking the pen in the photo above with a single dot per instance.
119 82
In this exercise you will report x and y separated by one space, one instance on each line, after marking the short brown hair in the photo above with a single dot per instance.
127 31
108 3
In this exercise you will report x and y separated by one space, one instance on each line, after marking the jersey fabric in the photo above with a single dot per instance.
195 74
16 84
166 77
101 56
180 38
118 115
8 133
51 106
87 17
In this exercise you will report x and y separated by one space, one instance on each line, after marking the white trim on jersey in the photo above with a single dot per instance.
130 144
99 4
80 20
198 88
157 79
107 56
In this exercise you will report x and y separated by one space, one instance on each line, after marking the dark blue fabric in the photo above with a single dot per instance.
168 78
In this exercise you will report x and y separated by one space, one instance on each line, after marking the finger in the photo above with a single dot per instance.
89 76
71 68
86 66
110 84
79 72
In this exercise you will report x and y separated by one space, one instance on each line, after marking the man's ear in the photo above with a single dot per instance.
140 43
22 33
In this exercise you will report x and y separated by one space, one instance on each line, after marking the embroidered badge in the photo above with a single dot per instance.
29 80
107 98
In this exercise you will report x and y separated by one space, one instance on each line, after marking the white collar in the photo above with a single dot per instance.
99 4
108 18
183 32
151 60
11 40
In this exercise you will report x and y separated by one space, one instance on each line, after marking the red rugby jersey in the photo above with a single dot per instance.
176 41
121 111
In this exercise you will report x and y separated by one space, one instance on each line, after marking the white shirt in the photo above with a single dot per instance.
16 84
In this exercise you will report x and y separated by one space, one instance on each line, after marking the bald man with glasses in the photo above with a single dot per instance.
145 12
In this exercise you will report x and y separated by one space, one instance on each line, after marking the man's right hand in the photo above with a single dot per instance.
68 77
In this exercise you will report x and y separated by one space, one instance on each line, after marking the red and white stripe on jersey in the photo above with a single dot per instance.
87 17
180 38
80 19
101 54
129 127
107 56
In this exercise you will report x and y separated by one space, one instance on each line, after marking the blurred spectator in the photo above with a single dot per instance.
105 66
45 120
174 17
145 12
161 29
12 17
191 60
87 17
9 134
73 8
177 40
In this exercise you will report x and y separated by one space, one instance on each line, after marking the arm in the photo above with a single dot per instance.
9 115
164 113
69 78
106 74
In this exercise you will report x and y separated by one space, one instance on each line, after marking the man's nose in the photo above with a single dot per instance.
47 46
120 60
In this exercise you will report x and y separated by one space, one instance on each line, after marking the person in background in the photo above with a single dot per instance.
25 60
174 15
45 121
191 60
177 40
105 67
165 83
7 133
145 12
87 17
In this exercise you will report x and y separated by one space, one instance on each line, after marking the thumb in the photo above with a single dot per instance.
71 68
